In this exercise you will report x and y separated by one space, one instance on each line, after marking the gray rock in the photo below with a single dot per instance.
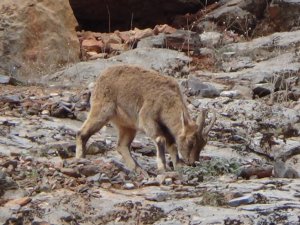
183 40
206 51
96 147
281 15
241 201
158 197
10 98
6 183
263 71
210 39
4 79
89 170
237 64
169 62
230 94
70 172
237 15
157 41
282 170
263 45
95 178
196 87
128 186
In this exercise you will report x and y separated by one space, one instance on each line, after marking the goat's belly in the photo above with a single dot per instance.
123 119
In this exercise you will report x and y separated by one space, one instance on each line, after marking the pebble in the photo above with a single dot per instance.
230 94
54 94
128 186
96 147
45 112
168 181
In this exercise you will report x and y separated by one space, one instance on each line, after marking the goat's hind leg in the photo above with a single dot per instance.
99 115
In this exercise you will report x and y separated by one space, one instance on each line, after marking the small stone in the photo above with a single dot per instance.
230 94
106 185
297 195
4 79
89 170
45 112
150 182
210 39
54 94
197 87
158 197
95 178
137 145
40 223
168 181
261 90
241 201
91 86
108 141
160 178
128 186
70 172
57 162
11 98
97 147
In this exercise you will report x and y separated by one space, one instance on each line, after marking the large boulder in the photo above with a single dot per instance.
36 37
122 14
166 61
281 15
238 15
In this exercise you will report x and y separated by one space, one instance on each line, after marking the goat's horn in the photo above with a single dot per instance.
209 126
201 120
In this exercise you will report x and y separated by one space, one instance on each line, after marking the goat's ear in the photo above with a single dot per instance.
201 120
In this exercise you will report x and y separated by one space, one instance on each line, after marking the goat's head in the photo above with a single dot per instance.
194 136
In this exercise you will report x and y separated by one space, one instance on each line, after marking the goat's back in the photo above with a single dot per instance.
130 88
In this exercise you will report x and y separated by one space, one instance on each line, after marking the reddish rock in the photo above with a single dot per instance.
139 34
70 172
117 47
108 38
92 45
124 35
20 201
165 28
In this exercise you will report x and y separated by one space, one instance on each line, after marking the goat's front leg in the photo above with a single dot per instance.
173 151
160 143
126 136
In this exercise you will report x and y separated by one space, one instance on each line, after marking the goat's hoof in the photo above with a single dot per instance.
142 172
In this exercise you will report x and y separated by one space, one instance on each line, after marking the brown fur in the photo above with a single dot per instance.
133 99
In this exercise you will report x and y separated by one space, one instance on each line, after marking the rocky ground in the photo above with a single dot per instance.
248 172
